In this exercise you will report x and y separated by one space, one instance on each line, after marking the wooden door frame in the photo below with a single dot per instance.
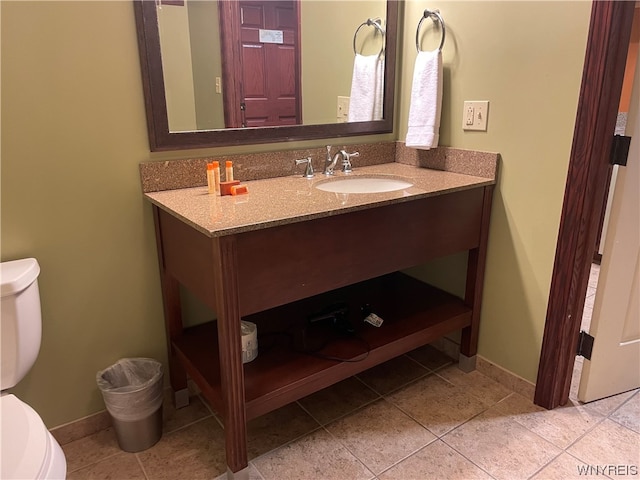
229 18
605 60
231 53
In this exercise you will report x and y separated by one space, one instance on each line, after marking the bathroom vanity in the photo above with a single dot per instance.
285 252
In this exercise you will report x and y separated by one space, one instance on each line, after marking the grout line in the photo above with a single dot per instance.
144 471
436 439
342 444
255 467
442 438
287 443
563 449
368 386
439 367
86 465
406 384
302 435
442 367
346 447
462 454
344 415
211 411
588 431
624 403
546 464
304 409
418 363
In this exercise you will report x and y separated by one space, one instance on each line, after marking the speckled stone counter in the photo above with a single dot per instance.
281 200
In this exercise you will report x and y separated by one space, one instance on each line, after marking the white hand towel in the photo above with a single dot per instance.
378 98
367 84
426 101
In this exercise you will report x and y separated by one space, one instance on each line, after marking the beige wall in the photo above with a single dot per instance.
73 133
499 51
207 63
177 65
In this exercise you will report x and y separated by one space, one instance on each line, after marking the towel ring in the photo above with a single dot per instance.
375 22
438 17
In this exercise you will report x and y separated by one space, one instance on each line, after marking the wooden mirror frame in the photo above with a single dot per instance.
161 139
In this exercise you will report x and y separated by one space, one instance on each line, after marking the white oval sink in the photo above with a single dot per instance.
363 185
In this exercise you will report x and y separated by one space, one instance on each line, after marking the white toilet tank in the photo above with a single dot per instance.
20 318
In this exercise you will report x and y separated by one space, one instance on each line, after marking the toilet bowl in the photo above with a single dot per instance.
29 451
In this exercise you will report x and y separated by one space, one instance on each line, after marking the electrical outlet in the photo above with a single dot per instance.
468 115
218 85
343 109
475 115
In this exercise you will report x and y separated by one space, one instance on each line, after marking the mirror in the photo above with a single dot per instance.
153 38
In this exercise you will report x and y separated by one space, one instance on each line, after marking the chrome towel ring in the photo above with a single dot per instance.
371 22
435 15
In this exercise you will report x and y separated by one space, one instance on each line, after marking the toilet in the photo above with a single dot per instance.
29 451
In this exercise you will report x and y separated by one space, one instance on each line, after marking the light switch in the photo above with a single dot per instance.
475 115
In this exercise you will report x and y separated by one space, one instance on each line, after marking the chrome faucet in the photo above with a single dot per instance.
346 160
330 162
308 172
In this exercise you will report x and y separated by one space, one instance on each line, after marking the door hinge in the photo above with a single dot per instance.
585 345
620 150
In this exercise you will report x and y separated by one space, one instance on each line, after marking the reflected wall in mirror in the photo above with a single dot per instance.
196 75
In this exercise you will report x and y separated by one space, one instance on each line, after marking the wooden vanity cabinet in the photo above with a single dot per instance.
276 276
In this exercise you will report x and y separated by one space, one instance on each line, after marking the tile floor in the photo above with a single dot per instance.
415 417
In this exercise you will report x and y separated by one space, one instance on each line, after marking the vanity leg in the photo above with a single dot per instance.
180 397
173 325
467 364
230 348
473 294
172 321
473 298
241 475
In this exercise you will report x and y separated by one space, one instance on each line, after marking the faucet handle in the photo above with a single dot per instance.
346 161
308 172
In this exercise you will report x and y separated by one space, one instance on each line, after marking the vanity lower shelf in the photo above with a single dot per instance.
297 358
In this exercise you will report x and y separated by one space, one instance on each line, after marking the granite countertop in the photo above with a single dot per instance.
282 200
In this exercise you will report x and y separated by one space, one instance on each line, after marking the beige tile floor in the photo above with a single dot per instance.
415 417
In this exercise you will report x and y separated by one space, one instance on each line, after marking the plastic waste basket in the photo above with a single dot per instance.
132 392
